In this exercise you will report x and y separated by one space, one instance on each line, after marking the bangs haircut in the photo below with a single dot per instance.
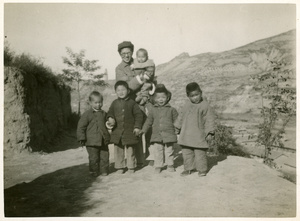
161 90
192 87
121 83
95 94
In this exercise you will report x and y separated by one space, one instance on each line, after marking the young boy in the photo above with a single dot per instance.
92 133
127 118
161 118
145 68
196 124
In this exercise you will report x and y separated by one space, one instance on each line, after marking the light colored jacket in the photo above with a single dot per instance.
195 122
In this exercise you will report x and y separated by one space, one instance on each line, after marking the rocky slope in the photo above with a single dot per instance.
225 76
36 110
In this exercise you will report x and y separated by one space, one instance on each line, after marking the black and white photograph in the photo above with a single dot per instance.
139 110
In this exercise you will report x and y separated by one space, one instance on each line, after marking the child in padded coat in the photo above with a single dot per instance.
92 133
161 118
196 124
126 118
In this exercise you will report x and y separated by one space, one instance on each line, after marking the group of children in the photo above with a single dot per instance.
125 119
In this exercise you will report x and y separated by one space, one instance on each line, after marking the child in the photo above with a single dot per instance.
146 69
127 118
92 133
161 118
196 124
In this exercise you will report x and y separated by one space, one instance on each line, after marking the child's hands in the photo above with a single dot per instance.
209 138
141 132
136 131
111 122
132 67
177 130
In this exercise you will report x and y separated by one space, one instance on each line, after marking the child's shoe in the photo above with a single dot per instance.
171 169
130 171
201 174
186 172
151 163
104 174
120 171
157 170
94 174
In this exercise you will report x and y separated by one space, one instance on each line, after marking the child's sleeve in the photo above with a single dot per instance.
209 118
174 115
148 123
179 119
111 112
138 116
81 127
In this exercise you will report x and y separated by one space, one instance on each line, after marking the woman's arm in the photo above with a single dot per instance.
148 123
134 84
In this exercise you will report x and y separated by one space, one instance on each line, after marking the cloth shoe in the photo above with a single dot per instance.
151 163
201 174
157 170
130 171
186 172
171 169
94 174
120 171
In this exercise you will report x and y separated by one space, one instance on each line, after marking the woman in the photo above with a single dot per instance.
135 82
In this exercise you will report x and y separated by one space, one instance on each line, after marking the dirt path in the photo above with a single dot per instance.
58 184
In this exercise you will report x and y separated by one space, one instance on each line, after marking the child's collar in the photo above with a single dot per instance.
124 99
94 110
166 105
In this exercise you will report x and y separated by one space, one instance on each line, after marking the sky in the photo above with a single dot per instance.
165 30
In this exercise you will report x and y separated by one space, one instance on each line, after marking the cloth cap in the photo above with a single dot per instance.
125 44
162 88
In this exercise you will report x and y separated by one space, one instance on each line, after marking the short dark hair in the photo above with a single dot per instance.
192 87
160 88
142 50
96 94
121 83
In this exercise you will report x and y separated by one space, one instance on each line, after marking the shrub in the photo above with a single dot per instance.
8 55
278 98
225 143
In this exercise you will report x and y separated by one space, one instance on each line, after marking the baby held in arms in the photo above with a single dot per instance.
145 68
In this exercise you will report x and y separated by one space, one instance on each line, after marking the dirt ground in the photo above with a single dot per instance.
58 184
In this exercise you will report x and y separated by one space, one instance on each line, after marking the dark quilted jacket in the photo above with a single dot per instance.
91 128
128 116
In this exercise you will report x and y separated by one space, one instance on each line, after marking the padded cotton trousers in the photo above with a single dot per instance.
98 159
119 156
194 158
163 153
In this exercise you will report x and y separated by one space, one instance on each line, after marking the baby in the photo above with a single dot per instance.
145 68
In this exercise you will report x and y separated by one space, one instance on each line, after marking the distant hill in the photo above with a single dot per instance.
225 76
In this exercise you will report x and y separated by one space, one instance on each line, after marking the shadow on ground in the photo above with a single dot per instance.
60 193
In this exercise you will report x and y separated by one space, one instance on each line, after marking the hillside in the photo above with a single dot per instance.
225 76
